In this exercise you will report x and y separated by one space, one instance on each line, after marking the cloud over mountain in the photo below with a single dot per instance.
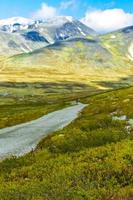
107 20
45 12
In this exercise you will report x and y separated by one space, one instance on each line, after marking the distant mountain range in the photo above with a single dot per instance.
20 35
15 24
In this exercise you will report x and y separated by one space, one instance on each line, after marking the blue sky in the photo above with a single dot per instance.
9 8
101 15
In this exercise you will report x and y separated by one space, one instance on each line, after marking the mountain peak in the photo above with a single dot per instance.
25 21
59 20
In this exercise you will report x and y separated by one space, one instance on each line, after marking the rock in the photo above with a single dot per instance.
121 118
130 121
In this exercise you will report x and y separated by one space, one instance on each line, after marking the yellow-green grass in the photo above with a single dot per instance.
19 110
66 66
91 159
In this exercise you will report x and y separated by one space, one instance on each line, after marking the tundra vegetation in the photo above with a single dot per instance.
90 159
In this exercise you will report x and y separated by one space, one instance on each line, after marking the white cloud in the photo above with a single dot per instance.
45 12
67 4
107 20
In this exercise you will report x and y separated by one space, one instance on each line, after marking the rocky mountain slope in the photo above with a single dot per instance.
120 42
31 35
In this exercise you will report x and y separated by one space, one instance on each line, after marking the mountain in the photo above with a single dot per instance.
61 28
16 43
14 24
64 49
79 60
19 38
120 43
76 52
112 50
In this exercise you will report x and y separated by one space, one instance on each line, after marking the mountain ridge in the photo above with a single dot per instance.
39 34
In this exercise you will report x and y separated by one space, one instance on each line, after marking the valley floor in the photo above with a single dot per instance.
91 159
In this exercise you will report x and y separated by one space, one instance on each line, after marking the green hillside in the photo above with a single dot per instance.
91 64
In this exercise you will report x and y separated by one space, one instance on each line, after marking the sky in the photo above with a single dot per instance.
101 15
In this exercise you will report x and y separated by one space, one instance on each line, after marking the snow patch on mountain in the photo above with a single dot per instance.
130 50
81 31
69 18
14 20
15 24
113 36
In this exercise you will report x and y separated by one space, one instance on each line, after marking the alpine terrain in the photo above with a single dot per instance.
66 123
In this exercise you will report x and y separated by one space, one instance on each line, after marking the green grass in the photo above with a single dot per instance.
19 108
11 114
91 159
